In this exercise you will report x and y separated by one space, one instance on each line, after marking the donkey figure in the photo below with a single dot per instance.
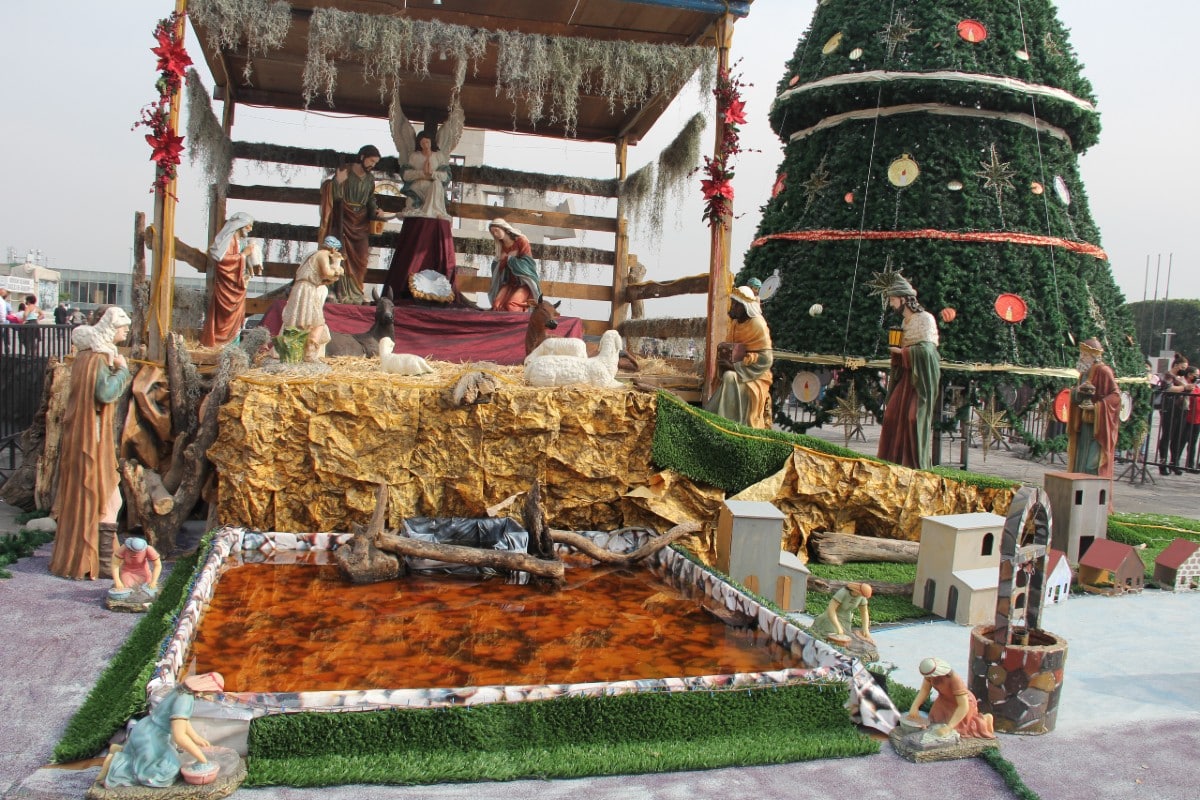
543 316
366 344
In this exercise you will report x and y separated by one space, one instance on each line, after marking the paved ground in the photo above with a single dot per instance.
1128 726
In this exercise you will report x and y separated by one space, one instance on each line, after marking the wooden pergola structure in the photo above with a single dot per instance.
277 82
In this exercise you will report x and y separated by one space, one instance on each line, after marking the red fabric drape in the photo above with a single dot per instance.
424 243
446 334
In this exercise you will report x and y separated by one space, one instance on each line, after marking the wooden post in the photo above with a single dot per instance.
720 280
162 279
137 330
620 265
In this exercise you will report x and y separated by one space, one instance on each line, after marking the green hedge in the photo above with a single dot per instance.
712 450
15 546
121 691
565 737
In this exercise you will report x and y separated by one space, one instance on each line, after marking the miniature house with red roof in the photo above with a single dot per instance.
1058 577
1177 568
1110 567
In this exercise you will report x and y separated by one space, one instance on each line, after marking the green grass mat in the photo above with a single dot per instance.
718 452
1155 531
120 693
562 738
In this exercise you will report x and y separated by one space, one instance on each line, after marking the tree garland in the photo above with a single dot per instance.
165 144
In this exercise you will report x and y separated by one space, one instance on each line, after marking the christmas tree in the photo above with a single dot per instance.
939 140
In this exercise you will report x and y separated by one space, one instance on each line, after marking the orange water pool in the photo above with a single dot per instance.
292 628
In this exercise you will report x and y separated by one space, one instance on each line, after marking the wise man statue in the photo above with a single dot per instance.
1094 414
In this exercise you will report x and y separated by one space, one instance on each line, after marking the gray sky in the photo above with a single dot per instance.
77 73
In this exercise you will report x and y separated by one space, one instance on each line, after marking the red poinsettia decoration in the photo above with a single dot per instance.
735 114
166 146
717 186
172 57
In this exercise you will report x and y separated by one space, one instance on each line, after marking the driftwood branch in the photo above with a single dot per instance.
839 548
491 559
828 586
590 549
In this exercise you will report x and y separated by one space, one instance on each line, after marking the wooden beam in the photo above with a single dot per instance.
462 244
482 175
692 284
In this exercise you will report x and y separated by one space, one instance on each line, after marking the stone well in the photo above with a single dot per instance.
1020 685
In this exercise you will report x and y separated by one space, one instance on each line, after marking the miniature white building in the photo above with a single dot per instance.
958 567
1079 503
1058 577
749 550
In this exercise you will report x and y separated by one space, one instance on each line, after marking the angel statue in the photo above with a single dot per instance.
425 160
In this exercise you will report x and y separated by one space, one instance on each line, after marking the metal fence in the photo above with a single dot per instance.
25 351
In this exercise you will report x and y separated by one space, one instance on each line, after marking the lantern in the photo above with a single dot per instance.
1062 405
972 30
948 315
1011 308
903 171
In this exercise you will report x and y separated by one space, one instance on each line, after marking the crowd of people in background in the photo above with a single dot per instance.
30 312
1177 398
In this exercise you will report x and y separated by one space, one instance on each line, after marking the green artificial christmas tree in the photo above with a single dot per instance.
939 140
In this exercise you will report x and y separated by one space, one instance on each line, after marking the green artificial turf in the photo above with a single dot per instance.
1155 531
120 693
562 738
712 450
1005 769
884 608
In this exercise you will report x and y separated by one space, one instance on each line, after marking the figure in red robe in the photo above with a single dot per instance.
227 306
1095 415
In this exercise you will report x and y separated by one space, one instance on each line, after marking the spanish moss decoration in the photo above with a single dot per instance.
387 46
678 160
648 190
546 74
544 182
209 145
261 25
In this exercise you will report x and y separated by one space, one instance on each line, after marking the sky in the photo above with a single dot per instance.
77 72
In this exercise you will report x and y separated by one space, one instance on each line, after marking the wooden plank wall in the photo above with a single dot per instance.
617 293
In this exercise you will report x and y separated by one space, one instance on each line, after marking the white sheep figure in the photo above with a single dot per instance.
560 370
401 363
559 346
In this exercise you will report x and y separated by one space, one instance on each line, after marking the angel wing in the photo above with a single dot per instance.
451 130
403 135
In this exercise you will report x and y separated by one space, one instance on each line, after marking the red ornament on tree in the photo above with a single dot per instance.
972 30
948 315
1010 307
